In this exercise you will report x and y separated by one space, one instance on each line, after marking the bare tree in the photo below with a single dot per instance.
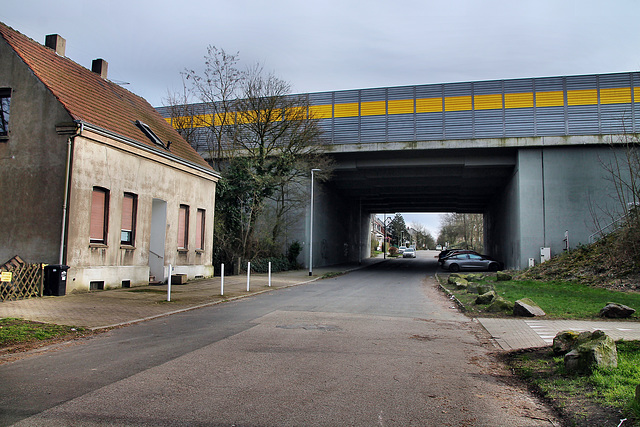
279 143
262 139
424 239
217 89
622 169
462 230
182 113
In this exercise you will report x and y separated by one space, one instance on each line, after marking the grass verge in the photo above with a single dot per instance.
331 274
20 335
558 299
604 397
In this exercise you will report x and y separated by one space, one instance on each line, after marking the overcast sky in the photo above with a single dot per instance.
340 44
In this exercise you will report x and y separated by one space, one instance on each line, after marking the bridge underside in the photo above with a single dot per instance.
531 197
462 181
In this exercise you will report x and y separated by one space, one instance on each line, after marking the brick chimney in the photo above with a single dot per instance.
99 66
56 42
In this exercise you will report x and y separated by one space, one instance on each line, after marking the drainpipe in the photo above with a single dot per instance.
67 180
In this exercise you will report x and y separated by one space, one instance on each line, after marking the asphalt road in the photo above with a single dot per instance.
379 346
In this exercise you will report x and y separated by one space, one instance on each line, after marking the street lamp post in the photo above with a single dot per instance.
384 245
311 227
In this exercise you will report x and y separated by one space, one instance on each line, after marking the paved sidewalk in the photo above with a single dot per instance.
513 334
103 309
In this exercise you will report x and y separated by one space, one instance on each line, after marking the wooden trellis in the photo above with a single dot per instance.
27 281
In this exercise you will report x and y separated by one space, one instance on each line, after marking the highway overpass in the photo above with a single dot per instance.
526 153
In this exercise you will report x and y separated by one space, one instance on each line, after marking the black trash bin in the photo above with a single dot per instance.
55 279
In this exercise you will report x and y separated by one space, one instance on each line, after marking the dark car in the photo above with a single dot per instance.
470 261
450 252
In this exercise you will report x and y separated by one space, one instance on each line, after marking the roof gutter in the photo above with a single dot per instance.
67 180
148 149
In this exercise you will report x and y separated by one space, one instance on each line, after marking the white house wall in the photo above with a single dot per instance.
103 162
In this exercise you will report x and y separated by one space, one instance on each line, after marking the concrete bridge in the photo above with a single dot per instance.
526 153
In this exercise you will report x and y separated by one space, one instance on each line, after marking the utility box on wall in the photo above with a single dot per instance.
545 254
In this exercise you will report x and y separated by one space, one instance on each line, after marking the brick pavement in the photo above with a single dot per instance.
512 334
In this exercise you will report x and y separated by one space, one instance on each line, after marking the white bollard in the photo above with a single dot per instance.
269 273
169 285
248 275
221 279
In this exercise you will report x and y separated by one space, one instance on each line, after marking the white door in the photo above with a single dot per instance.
157 239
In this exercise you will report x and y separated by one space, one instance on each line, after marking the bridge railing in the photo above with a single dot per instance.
598 104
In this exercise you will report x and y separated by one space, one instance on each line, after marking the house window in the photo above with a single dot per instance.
5 103
128 228
183 227
99 215
200 229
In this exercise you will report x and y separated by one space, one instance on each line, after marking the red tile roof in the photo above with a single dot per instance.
91 99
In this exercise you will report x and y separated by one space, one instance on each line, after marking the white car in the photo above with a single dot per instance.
401 249
409 253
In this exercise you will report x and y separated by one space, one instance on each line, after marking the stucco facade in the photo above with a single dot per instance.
103 161
32 165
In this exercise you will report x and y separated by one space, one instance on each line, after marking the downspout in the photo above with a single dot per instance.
65 200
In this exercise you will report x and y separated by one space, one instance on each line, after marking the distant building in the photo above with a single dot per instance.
377 231
91 176
413 236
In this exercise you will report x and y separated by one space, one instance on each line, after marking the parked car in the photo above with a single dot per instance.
466 261
409 253
438 247
401 249
450 252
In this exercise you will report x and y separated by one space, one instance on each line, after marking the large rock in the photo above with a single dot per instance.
593 349
486 298
474 277
525 307
483 288
616 311
458 282
564 342
500 276
500 305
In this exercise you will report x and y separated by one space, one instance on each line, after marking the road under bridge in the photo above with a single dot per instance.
528 154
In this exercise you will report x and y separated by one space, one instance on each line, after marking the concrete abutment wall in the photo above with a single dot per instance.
553 192
340 229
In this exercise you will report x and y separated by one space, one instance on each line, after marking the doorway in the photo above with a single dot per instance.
157 239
